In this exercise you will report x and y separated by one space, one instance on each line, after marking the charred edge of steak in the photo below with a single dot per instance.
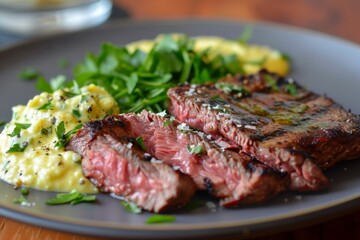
115 164
268 132
223 173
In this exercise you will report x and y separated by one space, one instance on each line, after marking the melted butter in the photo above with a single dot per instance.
42 165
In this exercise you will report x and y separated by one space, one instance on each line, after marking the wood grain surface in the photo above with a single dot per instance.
335 17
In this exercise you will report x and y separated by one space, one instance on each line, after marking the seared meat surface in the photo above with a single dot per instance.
234 178
115 163
290 129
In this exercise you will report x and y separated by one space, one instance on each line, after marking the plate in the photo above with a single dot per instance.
324 64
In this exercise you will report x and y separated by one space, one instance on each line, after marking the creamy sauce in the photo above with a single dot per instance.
42 164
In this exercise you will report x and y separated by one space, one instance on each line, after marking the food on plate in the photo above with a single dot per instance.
283 125
32 143
139 75
115 163
232 177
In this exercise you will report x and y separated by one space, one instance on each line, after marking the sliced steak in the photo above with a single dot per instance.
234 178
115 163
283 125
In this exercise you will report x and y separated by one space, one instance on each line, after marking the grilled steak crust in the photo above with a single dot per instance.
115 163
283 125
234 178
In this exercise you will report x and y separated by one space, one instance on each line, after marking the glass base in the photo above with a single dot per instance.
62 19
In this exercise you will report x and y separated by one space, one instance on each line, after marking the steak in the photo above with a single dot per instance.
115 163
234 178
283 125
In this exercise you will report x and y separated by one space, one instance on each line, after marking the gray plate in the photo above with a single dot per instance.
322 63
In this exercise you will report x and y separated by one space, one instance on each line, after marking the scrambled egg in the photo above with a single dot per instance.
254 57
31 147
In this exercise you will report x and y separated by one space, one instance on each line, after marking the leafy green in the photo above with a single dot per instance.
271 82
29 74
25 191
140 142
291 88
20 200
157 218
131 207
18 127
195 149
17 148
63 137
169 121
47 105
74 197
245 34
2 123
140 80
76 113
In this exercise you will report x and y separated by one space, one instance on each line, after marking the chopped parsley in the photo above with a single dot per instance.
74 197
291 88
157 218
76 113
17 147
169 121
131 207
271 82
20 200
29 74
64 137
47 105
46 131
140 141
18 128
195 149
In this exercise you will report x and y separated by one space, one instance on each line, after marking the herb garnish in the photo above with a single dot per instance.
17 148
140 141
47 105
29 74
131 207
74 197
76 113
195 149
22 198
291 88
157 218
2 123
18 128
271 82
63 137
169 121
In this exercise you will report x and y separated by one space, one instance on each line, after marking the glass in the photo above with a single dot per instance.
38 17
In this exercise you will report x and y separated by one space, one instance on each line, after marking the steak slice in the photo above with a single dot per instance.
234 178
290 129
115 163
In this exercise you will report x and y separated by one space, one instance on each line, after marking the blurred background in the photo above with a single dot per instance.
336 17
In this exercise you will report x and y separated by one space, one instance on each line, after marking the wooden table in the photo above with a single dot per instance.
336 17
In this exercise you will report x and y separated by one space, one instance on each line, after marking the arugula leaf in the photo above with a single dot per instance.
18 128
140 141
157 218
43 86
17 148
29 74
131 207
63 138
74 197
195 149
